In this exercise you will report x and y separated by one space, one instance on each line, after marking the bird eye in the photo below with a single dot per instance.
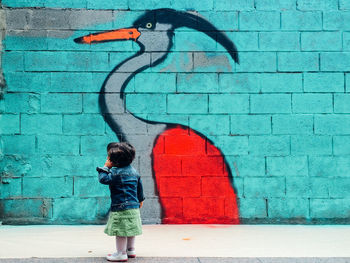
149 25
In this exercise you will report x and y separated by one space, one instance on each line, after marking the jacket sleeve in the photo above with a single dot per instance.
140 195
104 176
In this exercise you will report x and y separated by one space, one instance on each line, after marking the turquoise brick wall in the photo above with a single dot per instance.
281 116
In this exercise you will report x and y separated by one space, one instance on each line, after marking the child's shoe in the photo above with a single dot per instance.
131 253
115 257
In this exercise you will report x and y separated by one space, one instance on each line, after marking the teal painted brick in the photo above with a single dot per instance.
174 62
329 166
239 82
335 61
296 20
312 103
275 4
192 5
281 82
109 4
238 184
22 103
250 124
321 41
91 104
25 43
259 20
279 41
244 41
288 208
347 81
18 165
89 187
10 123
292 124
96 145
287 166
222 20
234 5
26 208
118 57
324 82
23 3
319 187
213 62
47 187
228 103
155 82
12 61
84 124
330 208
41 124
336 20
146 103
305 61
187 103
269 145
195 82
332 124
339 188
148 4
344 5
193 41
18 144
211 124
252 208
346 41
270 103
61 103
257 62
341 145
297 187
27 82
10 188
76 210
243 166
264 187
311 5
313 145
56 144
231 145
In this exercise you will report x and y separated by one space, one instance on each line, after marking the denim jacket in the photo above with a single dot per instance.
125 185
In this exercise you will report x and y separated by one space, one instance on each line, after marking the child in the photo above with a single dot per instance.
127 197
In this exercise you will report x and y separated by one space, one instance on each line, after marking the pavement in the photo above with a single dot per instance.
180 243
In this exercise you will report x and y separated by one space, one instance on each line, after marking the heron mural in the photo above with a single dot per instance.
191 176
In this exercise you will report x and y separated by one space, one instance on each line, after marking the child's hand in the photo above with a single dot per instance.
108 163
141 204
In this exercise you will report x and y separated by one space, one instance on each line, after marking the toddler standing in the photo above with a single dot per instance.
127 198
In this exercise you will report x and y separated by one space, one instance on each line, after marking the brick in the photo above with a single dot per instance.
128 126
324 82
116 58
250 62
234 5
10 124
90 102
347 81
156 83
26 208
192 5
311 5
55 144
292 124
269 145
109 4
312 103
223 20
213 62
151 212
287 166
344 5
184 144
341 145
346 41
215 186
335 61
250 124
196 83
145 5
303 21
281 82
339 188
76 82
252 208
275 5
47 187
48 19
167 165
22 103
321 41
89 187
207 165
203 208
187 103
61 103
18 144
27 82
238 185
244 41
319 187
66 210
174 62
16 18
297 187
211 124
332 124
193 41
224 103
329 166
279 41
95 145
306 61
270 103
25 43
41 124
145 103
288 208
243 166
308 144
92 124
336 20
230 145
329 208
179 187
239 82
10 188
255 187
259 21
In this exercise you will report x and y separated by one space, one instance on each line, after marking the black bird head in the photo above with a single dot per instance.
154 31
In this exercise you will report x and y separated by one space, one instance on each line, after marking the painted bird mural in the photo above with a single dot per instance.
191 177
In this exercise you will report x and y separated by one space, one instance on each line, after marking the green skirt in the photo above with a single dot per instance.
126 223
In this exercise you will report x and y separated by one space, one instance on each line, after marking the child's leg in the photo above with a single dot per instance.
131 243
121 244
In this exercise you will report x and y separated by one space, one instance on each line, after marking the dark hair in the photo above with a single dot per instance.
121 154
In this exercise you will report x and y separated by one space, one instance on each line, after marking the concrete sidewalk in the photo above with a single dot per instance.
180 243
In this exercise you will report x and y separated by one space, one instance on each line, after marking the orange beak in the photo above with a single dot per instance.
113 35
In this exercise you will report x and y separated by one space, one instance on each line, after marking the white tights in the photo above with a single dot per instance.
124 243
